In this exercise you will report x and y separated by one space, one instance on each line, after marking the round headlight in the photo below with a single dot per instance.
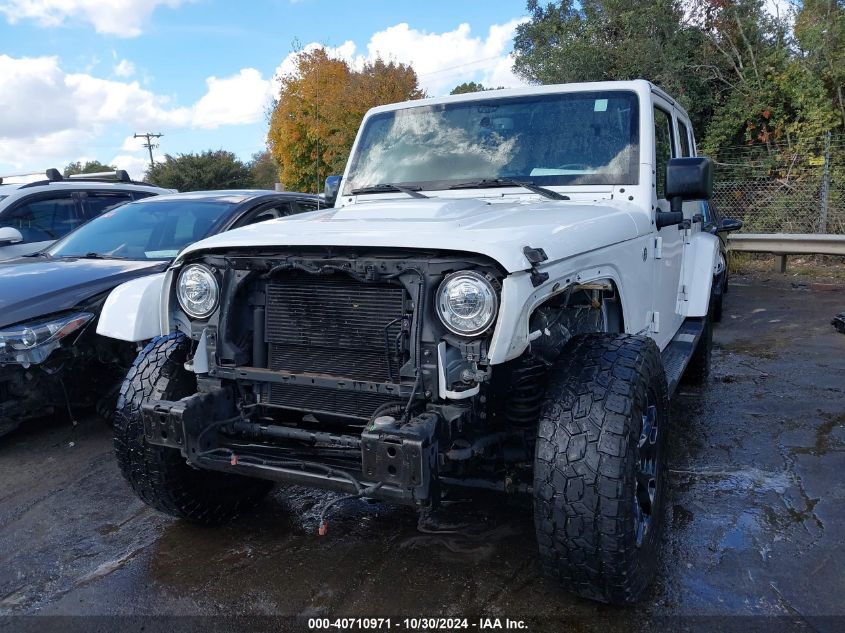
467 303
197 291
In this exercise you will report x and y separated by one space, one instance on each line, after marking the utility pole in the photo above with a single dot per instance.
149 144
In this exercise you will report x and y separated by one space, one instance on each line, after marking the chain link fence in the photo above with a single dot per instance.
781 189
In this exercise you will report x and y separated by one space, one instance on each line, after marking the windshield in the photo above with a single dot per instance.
148 229
580 138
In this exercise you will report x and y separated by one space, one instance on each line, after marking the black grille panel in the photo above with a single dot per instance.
336 326
355 404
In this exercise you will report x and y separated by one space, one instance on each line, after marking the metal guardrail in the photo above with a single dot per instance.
783 244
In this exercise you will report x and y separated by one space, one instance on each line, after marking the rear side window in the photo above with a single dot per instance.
265 213
43 219
664 147
95 203
683 134
307 205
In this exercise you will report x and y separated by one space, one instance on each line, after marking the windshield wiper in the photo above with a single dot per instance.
37 254
93 255
414 192
489 183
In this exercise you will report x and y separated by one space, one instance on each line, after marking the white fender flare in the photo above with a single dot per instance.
700 260
132 311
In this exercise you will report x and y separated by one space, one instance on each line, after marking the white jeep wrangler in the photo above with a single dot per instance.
505 296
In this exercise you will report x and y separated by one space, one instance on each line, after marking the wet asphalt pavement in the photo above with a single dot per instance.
756 515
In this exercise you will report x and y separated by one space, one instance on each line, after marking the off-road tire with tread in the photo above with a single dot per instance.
160 476
586 463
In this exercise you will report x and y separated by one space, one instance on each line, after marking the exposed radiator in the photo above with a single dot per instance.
335 326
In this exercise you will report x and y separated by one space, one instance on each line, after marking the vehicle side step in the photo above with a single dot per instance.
678 353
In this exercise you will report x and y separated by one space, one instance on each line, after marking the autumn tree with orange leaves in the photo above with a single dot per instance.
319 108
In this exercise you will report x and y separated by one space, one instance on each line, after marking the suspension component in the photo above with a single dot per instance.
525 397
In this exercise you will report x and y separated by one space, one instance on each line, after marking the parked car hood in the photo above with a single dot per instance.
34 287
500 230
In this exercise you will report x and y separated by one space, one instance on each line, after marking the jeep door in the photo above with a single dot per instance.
669 241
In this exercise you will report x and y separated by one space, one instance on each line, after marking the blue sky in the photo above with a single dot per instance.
79 77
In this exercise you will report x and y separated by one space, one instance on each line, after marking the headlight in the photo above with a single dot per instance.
33 342
197 291
467 303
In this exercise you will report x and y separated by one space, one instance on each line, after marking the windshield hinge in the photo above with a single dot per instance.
536 256
658 247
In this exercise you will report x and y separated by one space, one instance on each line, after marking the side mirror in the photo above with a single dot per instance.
9 236
331 189
686 179
729 225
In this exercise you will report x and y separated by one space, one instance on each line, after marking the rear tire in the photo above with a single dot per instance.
598 485
159 475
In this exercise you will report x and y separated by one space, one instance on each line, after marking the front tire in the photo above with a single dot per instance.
159 475
599 467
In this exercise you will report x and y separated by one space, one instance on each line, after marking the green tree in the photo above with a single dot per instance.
89 167
319 109
820 31
604 40
770 98
265 170
468 86
209 170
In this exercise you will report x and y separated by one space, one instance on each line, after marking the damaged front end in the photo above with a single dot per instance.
56 362
365 372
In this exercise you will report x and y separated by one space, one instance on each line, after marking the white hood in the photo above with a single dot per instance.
499 230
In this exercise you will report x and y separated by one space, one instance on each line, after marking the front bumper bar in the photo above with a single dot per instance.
209 430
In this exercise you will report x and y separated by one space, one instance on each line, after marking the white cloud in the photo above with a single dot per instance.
135 165
50 115
441 60
123 18
124 68
235 100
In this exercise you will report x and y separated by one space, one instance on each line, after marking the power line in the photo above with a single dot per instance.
149 144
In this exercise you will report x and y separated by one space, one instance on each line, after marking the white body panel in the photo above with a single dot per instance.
132 310
701 260
499 228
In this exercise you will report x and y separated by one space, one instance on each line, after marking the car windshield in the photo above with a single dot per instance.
148 229
579 138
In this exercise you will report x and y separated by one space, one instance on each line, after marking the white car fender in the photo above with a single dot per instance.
132 311
700 260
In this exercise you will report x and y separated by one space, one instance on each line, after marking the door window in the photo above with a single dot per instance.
98 202
683 134
664 146
262 214
44 219
307 205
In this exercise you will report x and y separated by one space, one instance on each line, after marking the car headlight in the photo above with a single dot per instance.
197 291
467 303
31 343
